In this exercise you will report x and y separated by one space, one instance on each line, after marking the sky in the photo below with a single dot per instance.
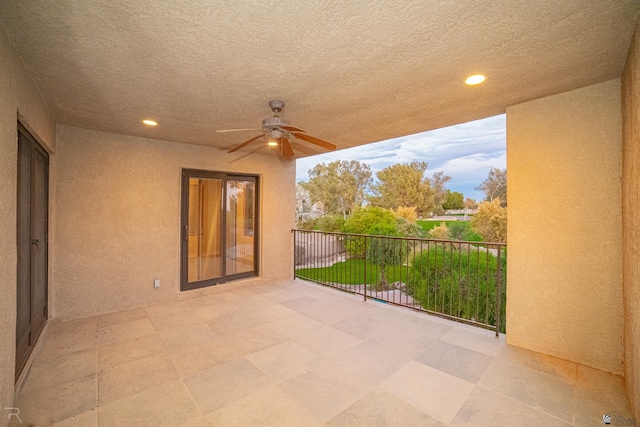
465 152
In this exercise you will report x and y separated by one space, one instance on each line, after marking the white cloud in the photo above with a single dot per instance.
465 152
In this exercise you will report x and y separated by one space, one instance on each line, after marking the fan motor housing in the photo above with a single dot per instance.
274 123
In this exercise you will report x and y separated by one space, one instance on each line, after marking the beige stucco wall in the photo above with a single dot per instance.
118 218
631 221
18 96
564 267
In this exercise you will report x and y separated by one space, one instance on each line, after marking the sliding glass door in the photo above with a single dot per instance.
219 227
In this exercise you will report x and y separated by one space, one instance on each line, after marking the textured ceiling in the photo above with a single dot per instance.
351 72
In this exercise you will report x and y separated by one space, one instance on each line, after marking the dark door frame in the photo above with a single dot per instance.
32 242
184 227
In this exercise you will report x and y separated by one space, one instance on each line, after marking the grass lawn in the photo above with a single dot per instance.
351 272
427 225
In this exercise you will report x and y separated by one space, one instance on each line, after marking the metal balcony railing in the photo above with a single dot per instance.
458 280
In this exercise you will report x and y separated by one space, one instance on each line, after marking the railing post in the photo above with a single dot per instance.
365 269
295 235
498 291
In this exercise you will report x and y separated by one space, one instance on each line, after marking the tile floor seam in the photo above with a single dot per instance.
193 400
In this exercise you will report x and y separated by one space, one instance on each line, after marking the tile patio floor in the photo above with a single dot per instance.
295 353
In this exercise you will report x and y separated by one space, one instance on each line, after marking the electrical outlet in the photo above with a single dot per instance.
156 283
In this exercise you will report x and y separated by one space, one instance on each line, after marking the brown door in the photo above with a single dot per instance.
32 240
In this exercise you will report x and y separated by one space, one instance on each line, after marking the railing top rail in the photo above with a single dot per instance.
336 233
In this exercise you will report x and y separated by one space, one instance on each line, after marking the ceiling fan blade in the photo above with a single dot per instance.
234 130
314 140
292 129
247 142
287 151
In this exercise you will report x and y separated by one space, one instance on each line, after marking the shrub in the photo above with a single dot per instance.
407 212
458 231
491 221
360 222
408 229
440 232
330 223
308 224
458 283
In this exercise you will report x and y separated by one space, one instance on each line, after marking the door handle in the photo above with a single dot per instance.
34 241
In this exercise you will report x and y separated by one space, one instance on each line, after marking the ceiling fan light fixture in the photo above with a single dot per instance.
274 136
475 79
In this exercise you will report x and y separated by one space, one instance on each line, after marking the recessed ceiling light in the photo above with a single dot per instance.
150 122
476 79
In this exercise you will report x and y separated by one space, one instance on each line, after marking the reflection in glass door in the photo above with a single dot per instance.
240 226
205 226
219 228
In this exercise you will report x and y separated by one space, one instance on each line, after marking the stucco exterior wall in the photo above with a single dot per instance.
631 221
564 294
18 97
118 218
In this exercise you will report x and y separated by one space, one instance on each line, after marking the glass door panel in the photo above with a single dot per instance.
240 216
204 228
219 220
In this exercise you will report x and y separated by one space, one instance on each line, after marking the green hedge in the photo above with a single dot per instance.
458 283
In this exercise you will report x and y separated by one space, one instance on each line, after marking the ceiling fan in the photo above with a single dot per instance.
278 132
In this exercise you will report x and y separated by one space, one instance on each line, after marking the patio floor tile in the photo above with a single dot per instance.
133 377
378 408
216 387
202 356
267 407
475 339
458 361
534 388
58 368
325 390
433 392
486 408
261 352
47 405
328 341
123 331
167 405
117 353
283 360
183 336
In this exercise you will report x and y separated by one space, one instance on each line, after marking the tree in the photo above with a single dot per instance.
341 185
438 182
361 221
491 221
470 204
303 201
403 184
454 200
495 186
383 251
